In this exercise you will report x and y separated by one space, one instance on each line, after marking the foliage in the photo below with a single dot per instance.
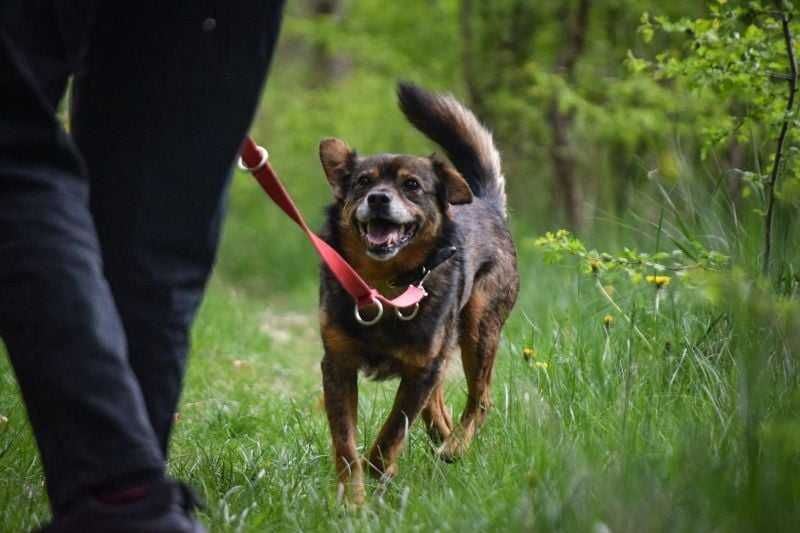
737 55
733 54
620 121
637 265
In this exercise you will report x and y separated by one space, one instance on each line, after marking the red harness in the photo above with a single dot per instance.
254 159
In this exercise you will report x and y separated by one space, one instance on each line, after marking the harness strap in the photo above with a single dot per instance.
254 158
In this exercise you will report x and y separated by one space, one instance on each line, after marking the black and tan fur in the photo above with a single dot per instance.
461 204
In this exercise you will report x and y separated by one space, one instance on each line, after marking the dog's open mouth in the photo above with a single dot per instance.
385 238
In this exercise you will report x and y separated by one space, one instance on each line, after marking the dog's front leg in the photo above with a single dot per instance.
340 385
416 386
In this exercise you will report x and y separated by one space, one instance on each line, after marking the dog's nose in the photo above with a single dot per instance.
377 199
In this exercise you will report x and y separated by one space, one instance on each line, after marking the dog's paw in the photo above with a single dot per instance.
352 494
451 451
380 471
455 445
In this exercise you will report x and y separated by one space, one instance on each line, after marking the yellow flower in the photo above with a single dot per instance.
658 281
608 321
528 353
541 364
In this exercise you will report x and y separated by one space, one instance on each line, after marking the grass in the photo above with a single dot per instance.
604 435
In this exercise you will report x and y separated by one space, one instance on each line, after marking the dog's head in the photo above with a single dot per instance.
391 202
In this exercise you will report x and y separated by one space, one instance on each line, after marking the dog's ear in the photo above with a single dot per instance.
338 161
458 191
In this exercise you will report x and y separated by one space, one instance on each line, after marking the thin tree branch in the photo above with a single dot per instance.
789 40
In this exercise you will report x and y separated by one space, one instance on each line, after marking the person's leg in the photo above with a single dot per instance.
168 93
57 315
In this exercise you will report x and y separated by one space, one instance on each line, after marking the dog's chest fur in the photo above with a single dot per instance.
386 348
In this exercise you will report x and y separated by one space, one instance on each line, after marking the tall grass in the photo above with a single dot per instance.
697 431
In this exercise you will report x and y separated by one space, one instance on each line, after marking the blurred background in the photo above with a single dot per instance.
581 135
593 126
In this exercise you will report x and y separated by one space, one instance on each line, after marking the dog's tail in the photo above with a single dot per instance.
466 141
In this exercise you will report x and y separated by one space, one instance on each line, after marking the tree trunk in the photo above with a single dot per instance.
468 57
567 188
734 160
325 66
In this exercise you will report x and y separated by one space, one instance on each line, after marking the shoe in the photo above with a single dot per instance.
167 507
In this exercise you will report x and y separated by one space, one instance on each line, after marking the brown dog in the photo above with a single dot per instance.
393 216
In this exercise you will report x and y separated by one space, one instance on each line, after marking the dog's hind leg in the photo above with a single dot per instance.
436 417
481 323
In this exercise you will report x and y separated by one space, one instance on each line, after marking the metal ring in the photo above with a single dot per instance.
372 321
410 316
264 157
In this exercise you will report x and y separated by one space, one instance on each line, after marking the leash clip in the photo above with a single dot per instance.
375 319
425 273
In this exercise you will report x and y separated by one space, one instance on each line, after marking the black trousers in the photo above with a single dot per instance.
108 232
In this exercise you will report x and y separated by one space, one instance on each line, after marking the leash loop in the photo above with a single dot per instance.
375 319
409 316
264 158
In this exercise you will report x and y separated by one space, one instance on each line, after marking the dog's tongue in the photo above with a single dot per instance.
380 233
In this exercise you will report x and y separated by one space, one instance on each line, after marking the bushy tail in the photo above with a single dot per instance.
466 141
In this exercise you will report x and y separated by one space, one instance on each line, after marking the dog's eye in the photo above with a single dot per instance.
363 180
411 185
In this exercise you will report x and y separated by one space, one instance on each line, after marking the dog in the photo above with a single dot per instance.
396 218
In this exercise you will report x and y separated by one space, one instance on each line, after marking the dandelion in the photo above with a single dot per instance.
608 321
541 364
528 353
658 281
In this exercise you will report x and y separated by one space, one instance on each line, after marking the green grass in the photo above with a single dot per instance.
612 435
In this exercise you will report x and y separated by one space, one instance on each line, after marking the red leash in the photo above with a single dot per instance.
254 159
